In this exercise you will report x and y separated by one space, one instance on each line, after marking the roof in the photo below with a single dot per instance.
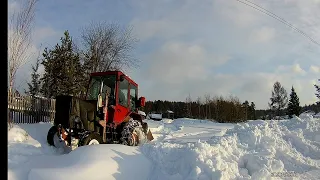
114 73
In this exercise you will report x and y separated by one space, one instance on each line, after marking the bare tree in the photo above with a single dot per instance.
19 37
107 47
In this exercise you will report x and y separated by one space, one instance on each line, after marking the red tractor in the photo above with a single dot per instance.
108 114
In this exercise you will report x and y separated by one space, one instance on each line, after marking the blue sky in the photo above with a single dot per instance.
216 47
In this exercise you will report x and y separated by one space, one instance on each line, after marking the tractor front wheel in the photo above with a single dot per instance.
135 137
92 139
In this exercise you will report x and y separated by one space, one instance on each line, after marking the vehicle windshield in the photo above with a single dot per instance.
95 85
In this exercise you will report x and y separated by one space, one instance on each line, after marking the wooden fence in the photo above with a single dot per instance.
28 109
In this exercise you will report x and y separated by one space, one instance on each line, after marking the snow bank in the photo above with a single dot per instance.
253 150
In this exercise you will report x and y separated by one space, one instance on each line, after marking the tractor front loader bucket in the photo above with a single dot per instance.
149 136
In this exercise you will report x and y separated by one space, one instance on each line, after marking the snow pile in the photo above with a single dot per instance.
93 162
16 134
30 157
165 126
253 150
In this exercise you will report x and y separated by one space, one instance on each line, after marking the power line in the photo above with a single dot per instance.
283 21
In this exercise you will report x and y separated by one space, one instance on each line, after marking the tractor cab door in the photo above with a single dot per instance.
126 100
122 109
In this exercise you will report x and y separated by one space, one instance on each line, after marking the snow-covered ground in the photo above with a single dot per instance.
182 149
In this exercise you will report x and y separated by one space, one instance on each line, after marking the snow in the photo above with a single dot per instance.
142 113
182 149
29 157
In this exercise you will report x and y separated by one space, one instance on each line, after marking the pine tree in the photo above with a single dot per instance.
253 111
294 104
34 90
279 98
34 85
63 71
246 109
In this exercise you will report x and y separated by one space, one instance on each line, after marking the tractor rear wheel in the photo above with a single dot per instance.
54 140
51 133
92 139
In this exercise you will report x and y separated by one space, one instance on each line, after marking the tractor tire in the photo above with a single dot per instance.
51 133
128 137
134 137
133 140
92 139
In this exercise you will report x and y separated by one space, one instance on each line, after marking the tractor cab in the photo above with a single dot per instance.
122 93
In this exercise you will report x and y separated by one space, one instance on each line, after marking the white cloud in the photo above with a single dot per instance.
177 62
263 35
42 33
228 29
191 46
151 28
315 69
240 14
292 70
296 68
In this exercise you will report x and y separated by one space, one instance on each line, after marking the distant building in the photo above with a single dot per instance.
168 114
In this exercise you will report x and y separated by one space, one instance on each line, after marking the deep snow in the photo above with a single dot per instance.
182 149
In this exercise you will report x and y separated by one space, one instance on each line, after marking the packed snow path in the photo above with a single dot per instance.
182 149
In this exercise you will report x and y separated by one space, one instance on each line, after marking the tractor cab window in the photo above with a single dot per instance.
123 92
133 96
95 86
